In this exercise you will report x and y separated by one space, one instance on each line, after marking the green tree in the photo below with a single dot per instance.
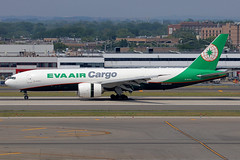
188 40
124 33
59 46
122 43
105 30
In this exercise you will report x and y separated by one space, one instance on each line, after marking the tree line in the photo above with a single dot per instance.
87 31
90 31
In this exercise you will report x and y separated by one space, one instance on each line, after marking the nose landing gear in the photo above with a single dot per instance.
25 95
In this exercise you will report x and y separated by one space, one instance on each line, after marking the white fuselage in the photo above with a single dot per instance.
41 78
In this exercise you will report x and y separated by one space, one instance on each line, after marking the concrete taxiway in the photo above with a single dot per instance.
119 138
135 103
109 138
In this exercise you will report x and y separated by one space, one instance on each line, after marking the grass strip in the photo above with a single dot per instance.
160 94
209 86
185 94
39 94
66 113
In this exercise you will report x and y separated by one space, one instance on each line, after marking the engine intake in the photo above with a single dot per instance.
88 90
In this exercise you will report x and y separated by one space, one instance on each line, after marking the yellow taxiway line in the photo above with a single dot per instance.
35 137
5 154
32 129
203 144
77 130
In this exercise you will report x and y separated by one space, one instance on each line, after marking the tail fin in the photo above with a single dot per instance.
210 56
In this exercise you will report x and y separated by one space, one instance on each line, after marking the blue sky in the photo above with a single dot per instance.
121 8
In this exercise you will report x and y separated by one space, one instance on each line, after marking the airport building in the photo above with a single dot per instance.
12 65
26 50
158 40
196 26
18 58
208 29
232 29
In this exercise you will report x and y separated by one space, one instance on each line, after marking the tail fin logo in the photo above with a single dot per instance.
210 53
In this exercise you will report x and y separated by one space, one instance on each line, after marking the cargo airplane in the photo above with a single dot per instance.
92 82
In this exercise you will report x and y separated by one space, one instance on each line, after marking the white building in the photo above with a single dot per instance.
229 60
14 50
12 65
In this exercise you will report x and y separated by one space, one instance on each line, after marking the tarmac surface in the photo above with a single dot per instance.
110 138
135 103
120 138
228 87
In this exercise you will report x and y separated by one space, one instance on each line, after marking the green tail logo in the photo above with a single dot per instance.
204 67
209 58
210 53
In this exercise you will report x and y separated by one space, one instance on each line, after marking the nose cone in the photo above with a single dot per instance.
7 82
10 83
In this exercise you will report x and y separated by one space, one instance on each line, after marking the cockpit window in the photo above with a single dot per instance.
11 77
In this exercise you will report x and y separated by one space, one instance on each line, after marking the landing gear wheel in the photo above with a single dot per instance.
25 95
124 97
119 97
113 97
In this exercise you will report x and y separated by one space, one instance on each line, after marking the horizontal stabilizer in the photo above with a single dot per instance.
214 74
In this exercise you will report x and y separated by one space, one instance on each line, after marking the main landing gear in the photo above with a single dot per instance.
119 94
119 97
25 95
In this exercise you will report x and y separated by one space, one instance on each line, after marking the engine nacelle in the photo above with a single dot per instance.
89 90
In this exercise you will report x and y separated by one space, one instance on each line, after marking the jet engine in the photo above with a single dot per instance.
88 90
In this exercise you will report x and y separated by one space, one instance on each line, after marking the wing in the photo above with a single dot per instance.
126 84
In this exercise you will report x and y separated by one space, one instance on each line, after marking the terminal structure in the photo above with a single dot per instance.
13 64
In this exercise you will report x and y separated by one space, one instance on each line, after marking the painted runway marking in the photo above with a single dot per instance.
203 144
6 154
78 130
33 129
74 135
35 137
82 132
66 155
54 155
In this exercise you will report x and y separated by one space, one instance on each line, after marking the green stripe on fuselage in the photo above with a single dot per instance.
191 75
